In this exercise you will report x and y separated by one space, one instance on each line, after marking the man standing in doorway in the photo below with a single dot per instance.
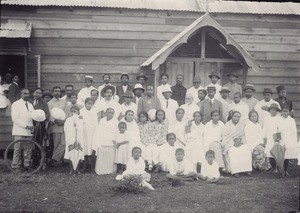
179 91
232 85
22 129
164 78
14 90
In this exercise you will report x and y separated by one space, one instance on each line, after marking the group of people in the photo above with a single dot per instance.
195 133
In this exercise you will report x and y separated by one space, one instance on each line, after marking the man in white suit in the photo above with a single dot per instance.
22 127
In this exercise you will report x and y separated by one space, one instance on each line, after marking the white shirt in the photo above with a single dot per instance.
171 110
194 92
263 115
124 88
211 171
212 132
183 166
189 111
21 117
103 104
124 107
83 94
159 90
243 108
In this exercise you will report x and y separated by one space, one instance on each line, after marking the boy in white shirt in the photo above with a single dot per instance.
181 169
166 153
209 168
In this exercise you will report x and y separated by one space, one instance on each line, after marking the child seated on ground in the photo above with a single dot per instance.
136 168
181 169
166 153
74 136
209 168
122 148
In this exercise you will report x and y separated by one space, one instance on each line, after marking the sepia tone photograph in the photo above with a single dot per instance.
150 106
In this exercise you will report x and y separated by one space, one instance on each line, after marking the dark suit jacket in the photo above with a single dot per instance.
206 110
13 92
120 92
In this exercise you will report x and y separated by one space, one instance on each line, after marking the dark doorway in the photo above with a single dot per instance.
15 65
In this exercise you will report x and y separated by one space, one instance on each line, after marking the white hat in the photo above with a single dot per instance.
152 113
89 76
38 115
167 89
138 86
58 114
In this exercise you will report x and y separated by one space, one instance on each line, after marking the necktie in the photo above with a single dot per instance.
210 103
26 105
167 104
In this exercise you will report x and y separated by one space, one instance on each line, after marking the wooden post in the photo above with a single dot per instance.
203 38
156 80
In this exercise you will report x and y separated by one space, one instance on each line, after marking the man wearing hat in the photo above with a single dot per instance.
249 99
138 91
195 88
121 89
262 106
210 104
214 77
86 91
142 79
283 101
106 81
225 101
127 105
57 126
164 78
22 127
179 91
47 96
168 104
107 102
232 85
148 101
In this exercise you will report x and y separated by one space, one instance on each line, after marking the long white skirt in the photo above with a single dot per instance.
240 159
195 152
150 153
105 163
123 154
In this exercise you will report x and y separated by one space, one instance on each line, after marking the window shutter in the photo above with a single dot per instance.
33 74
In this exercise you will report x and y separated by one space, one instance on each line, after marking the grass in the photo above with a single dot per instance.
56 191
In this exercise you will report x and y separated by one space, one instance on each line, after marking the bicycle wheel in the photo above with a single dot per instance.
35 145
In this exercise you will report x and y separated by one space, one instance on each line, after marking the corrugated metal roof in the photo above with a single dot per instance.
214 6
15 29
182 5
248 7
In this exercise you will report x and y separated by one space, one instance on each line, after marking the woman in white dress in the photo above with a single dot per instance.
103 143
212 136
237 153
288 131
195 147
178 127
256 142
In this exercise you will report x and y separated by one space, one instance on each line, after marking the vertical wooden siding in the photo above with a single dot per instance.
94 41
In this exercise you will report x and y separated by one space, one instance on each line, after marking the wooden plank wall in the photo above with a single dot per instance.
75 41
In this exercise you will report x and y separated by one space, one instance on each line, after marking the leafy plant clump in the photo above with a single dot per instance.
130 184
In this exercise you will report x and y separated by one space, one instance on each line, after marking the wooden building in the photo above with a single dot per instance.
58 42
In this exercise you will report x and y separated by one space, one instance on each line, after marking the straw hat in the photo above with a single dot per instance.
58 114
274 106
214 73
38 115
138 86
